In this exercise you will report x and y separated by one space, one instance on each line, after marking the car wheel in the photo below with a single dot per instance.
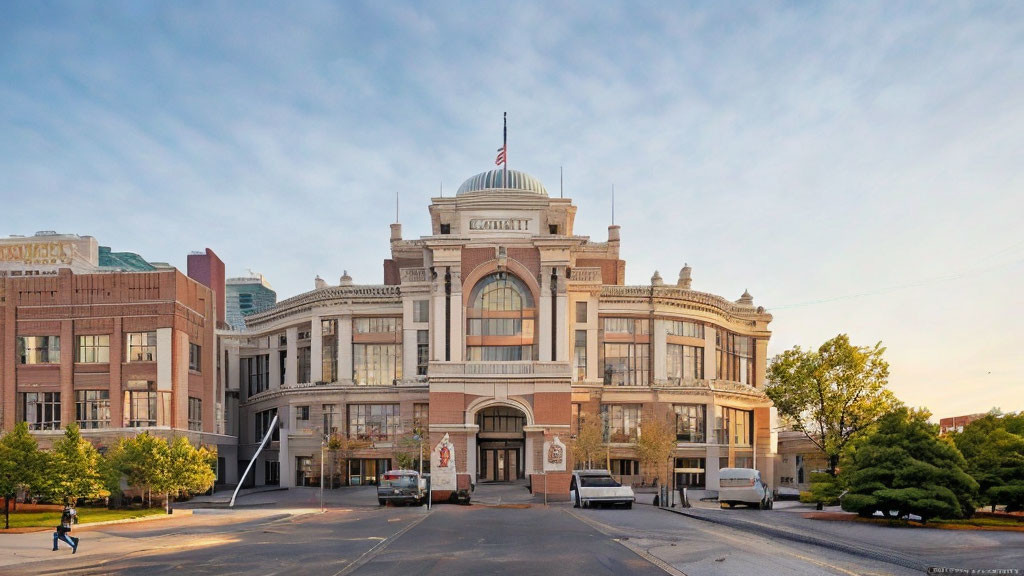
577 504
629 505
382 501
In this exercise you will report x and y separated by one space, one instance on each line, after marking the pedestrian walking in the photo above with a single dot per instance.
67 518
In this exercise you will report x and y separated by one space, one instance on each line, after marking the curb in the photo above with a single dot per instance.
151 517
861 551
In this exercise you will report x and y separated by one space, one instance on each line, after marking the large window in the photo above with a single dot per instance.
735 360
421 311
581 312
263 420
303 359
41 410
38 349
329 352
92 408
682 328
376 364
146 407
734 426
257 371
195 414
501 419
93 349
421 416
580 355
684 362
620 422
637 326
376 325
691 422
141 346
500 321
626 364
332 419
422 352
373 421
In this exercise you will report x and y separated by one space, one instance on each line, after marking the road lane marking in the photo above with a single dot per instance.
379 547
607 531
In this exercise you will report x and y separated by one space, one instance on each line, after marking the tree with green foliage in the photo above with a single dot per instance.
73 469
825 490
407 451
995 458
21 465
831 394
655 443
589 447
904 467
189 469
143 461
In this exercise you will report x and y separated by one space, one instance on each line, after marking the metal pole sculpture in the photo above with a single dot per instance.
266 438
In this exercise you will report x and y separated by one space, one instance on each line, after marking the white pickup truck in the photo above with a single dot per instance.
597 487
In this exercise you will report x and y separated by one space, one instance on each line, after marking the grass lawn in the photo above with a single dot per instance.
51 519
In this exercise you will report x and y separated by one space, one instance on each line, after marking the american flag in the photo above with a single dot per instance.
501 157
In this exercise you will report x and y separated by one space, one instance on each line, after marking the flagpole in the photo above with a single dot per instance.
504 165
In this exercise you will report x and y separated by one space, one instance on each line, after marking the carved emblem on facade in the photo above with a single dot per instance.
555 454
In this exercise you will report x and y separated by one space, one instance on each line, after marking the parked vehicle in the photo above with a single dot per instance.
402 487
743 486
597 487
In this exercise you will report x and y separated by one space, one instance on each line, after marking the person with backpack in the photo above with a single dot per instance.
68 517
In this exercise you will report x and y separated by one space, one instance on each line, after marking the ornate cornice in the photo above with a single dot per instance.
677 297
368 294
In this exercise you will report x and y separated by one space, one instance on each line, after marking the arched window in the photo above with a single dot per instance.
500 320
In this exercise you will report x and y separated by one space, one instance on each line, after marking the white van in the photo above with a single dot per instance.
743 486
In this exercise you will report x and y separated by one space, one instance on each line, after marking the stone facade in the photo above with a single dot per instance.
503 329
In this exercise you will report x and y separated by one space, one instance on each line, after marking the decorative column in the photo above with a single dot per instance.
544 313
345 348
562 318
659 349
456 339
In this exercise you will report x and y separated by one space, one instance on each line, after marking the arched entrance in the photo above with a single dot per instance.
501 444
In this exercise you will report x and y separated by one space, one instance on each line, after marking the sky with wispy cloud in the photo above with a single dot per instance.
857 166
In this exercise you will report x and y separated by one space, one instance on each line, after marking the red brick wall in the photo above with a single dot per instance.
612 271
208 270
529 257
446 408
392 276
552 407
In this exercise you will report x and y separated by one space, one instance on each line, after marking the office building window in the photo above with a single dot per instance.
41 410
92 408
332 419
376 364
684 362
734 426
581 312
620 422
38 349
626 364
257 370
422 352
580 355
263 420
421 416
146 407
329 351
94 349
303 359
141 346
690 422
377 325
636 326
682 328
575 420
301 415
195 414
735 359
195 357
373 421
421 311
271 472
501 318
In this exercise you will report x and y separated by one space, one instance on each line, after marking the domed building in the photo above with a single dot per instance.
500 333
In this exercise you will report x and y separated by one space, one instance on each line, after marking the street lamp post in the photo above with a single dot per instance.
322 442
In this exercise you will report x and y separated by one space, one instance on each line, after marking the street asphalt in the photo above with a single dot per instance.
506 531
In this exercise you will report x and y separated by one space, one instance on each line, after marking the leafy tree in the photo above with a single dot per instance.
831 394
407 451
74 469
342 449
904 467
654 447
589 446
143 461
189 469
995 458
21 465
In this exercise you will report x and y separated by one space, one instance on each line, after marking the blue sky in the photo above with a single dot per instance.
856 166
